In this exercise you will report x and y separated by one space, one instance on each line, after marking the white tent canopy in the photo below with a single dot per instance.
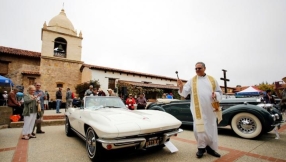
250 91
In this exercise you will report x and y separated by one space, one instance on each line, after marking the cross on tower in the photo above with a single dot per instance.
225 80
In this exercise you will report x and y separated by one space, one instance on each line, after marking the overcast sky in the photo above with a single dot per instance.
245 37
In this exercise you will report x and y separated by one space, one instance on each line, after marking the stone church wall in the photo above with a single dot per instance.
59 71
19 64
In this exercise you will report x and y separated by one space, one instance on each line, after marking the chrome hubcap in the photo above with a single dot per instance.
91 143
246 125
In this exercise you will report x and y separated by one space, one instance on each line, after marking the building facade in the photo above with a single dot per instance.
59 63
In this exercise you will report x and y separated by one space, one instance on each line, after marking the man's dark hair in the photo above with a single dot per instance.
267 91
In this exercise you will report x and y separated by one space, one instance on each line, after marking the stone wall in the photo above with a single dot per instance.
59 71
19 64
5 113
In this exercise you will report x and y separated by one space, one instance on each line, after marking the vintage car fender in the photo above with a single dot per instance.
264 116
157 107
101 126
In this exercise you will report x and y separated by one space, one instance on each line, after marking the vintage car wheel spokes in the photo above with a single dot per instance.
91 142
246 125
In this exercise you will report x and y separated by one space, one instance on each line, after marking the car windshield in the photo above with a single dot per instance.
97 102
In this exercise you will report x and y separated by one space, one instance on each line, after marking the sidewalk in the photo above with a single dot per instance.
54 145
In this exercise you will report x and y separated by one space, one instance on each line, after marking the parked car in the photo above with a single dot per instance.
105 123
246 116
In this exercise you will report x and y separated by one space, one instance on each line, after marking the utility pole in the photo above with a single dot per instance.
225 80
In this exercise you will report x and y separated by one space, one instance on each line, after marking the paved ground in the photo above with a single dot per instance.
55 146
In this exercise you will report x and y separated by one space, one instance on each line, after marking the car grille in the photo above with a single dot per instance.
148 135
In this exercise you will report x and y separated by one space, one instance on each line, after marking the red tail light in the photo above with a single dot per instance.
109 146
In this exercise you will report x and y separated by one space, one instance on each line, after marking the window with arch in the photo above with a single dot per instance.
60 47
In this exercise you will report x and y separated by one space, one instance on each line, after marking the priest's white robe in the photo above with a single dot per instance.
209 136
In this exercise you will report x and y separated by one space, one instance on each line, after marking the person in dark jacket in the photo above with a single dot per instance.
59 98
268 98
13 102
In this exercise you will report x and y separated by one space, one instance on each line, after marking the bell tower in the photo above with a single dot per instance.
60 56
60 39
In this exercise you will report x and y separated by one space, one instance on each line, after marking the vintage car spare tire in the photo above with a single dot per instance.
68 130
94 149
246 125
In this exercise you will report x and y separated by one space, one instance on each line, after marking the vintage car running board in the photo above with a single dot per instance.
80 135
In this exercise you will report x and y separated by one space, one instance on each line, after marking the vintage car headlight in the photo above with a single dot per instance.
275 116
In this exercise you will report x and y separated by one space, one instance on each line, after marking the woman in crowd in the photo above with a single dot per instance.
141 102
29 113
130 102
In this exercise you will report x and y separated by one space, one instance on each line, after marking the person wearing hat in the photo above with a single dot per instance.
130 102
110 92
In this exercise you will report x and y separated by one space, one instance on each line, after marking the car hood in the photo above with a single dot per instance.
134 122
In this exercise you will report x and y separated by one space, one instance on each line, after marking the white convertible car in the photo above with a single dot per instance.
105 124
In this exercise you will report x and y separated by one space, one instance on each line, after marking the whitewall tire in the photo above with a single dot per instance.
246 125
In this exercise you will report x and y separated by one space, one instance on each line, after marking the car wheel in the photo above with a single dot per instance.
68 130
94 148
246 125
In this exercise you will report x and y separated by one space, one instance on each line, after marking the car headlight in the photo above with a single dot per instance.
277 116
273 117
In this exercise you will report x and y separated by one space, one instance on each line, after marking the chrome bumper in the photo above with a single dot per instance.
138 142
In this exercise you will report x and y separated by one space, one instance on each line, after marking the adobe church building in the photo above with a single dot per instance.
59 63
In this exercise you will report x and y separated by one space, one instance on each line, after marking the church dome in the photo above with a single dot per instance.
61 20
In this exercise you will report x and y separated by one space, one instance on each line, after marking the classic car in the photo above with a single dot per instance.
247 117
105 123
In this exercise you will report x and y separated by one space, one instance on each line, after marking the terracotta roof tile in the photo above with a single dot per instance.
15 51
129 72
141 84
31 72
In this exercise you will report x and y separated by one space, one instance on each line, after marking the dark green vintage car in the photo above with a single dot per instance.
247 117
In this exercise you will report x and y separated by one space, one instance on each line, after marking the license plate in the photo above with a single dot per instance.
153 142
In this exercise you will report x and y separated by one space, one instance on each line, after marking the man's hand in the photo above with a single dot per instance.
180 85
213 95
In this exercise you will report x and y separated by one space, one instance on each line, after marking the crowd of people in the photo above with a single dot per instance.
30 106
130 101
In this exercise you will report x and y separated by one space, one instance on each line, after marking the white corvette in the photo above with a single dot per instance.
105 124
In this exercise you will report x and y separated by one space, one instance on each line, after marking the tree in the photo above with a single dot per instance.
265 86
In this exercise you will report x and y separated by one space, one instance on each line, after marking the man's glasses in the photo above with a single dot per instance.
198 68
38 85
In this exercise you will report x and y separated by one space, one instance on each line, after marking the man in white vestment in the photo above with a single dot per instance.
203 89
